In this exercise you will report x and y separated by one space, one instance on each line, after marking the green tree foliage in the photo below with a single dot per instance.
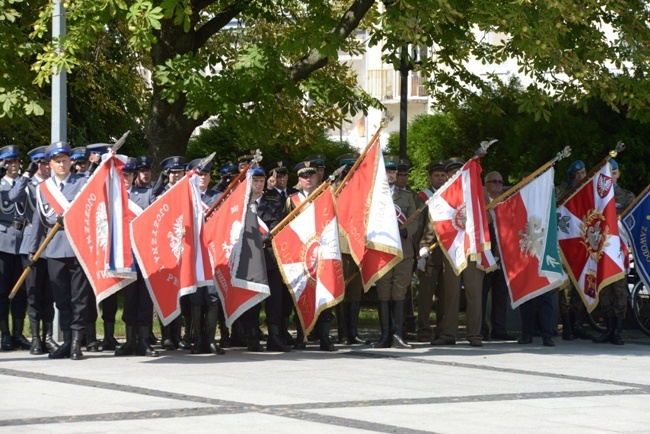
526 143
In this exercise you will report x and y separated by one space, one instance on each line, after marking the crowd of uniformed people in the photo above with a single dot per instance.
57 279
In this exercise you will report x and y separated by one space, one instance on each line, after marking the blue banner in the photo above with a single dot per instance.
636 223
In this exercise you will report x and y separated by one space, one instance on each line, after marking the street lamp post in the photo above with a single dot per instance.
404 69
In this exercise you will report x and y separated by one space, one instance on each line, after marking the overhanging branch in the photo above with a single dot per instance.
217 23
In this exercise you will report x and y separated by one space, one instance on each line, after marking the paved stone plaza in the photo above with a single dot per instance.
575 387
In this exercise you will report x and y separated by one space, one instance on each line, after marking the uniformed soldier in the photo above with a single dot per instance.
278 179
613 297
96 151
318 161
228 172
138 306
40 301
308 181
143 165
12 222
173 171
472 279
392 287
244 158
573 312
81 161
72 291
430 264
205 301
347 311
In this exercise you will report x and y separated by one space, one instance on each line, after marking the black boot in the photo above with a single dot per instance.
617 327
284 332
252 341
567 332
580 332
238 336
63 352
197 323
275 342
299 343
384 325
109 343
211 320
143 348
6 344
92 345
36 348
607 336
353 320
398 321
167 342
48 340
17 338
75 349
342 322
128 348
185 343
324 334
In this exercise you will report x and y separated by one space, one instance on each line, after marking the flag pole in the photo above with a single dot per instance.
285 221
359 161
620 146
635 201
521 184
37 255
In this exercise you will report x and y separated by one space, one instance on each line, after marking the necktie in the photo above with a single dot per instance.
61 186
283 195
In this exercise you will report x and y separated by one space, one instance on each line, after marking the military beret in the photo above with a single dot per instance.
575 166
613 163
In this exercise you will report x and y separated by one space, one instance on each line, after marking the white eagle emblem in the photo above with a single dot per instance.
176 238
604 184
531 240
101 225
235 229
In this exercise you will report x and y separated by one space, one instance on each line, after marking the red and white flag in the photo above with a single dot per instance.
98 228
166 243
308 254
232 236
460 220
592 249
526 228
369 220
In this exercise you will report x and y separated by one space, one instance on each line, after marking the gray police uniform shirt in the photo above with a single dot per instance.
25 188
59 247
141 196
12 216
209 197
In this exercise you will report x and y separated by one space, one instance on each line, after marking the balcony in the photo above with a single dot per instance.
384 84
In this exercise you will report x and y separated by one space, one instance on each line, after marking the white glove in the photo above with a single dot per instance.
424 252
422 264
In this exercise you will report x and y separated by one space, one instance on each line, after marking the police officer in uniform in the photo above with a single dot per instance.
40 301
392 287
138 307
308 181
72 291
472 279
613 297
80 161
318 161
205 301
12 222
143 165
347 311
430 266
